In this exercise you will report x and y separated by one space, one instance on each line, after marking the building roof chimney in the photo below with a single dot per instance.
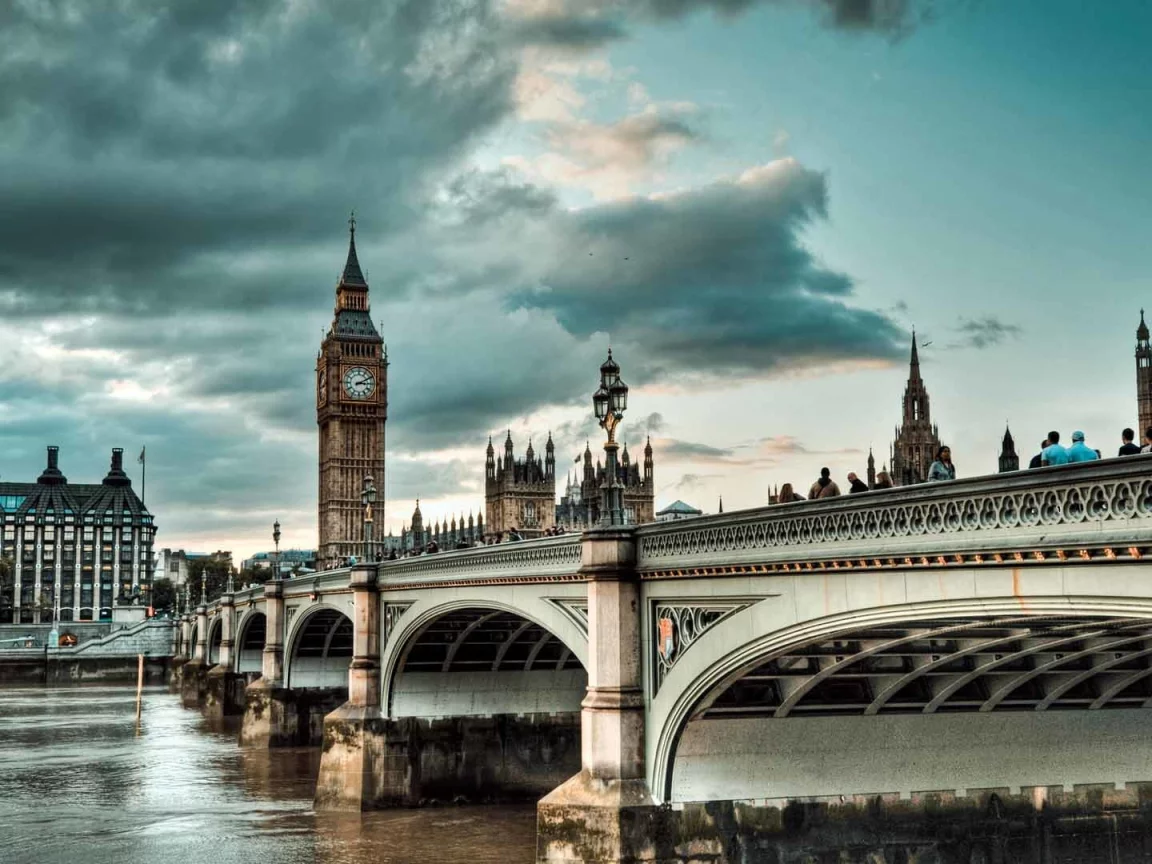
52 475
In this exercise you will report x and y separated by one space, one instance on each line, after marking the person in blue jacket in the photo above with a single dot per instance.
1079 451
942 468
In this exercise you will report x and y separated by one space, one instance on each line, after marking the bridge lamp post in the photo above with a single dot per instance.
276 547
368 498
610 401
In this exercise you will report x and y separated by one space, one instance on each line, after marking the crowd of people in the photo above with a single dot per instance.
1052 452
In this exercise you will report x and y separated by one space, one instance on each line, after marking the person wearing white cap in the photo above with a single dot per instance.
1079 451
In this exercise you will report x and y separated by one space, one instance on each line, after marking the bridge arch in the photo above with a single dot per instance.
251 631
215 639
890 666
479 657
193 635
318 648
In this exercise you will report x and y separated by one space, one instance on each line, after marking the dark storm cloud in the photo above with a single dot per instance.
712 281
675 449
143 142
499 365
984 332
693 481
591 23
568 31
654 422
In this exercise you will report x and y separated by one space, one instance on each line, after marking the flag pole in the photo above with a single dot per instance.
143 473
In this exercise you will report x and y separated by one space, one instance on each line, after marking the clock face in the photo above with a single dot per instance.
359 383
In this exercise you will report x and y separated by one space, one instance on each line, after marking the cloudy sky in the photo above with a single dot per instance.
754 200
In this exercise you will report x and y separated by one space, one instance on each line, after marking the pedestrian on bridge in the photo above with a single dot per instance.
856 484
1147 448
1079 451
788 495
942 468
1038 459
1128 448
825 487
1054 454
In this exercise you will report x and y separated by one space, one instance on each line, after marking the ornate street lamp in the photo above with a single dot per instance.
368 498
276 553
609 402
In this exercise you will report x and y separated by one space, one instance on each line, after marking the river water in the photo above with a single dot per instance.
79 782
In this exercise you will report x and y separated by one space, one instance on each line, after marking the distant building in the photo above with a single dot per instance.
290 561
580 506
175 564
1009 461
520 494
917 439
1143 378
76 549
172 564
445 535
678 510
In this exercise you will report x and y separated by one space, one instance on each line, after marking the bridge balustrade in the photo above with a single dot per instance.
1090 511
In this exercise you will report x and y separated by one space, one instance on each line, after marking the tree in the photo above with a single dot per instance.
215 571
254 576
163 594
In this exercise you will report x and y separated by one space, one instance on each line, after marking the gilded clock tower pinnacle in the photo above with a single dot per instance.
351 410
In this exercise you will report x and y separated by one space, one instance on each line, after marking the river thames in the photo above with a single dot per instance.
80 782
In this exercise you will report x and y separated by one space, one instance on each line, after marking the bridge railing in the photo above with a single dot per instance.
547 556
556 557
1088 511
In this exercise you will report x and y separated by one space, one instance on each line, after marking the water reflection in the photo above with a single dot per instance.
80 782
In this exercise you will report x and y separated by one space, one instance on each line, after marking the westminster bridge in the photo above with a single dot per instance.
975 644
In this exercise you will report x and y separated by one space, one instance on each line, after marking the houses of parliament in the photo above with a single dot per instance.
352 413
520 494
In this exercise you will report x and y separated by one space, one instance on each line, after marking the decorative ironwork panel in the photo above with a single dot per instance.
677 625
392 613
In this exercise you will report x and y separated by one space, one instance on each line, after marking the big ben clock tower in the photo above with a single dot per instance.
351 409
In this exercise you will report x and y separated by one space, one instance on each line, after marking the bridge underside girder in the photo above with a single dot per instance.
483 662
250 645
321 652
974 665
483 640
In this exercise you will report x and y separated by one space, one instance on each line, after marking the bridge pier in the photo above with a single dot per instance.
193 674
270 718
358 770
224 688
604 814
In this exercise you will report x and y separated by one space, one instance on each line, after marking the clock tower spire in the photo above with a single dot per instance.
351 410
